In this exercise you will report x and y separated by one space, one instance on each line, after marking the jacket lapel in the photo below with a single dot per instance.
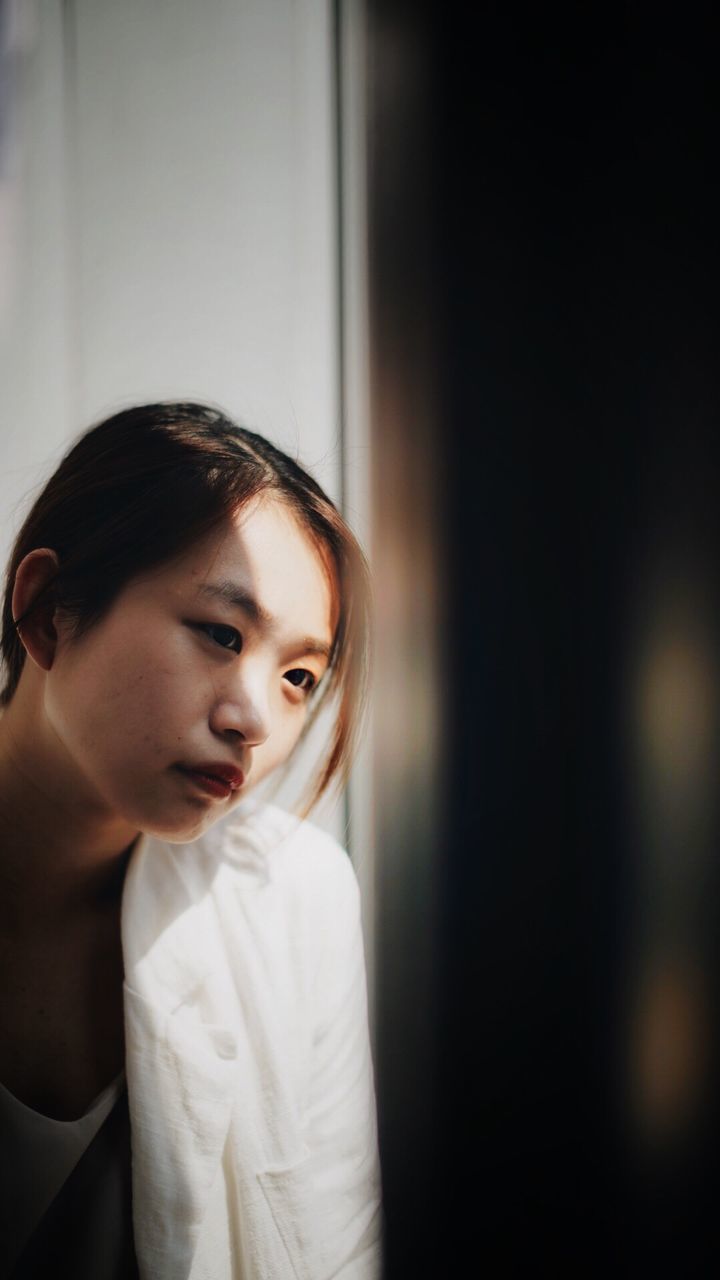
181 1057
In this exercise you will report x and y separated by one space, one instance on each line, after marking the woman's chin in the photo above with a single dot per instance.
183 825
178 817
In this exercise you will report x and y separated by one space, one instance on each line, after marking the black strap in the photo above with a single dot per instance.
87 1231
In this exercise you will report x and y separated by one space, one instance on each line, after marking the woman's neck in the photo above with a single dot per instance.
60 855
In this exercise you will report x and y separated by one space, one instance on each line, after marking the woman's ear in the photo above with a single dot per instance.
37 631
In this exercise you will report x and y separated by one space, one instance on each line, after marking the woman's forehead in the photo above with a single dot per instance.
262 554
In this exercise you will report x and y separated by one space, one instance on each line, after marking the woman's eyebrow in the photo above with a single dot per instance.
232 593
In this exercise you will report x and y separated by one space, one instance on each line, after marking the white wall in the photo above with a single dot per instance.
177 227
204 237
34 366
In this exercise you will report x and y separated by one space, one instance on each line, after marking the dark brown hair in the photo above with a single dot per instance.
138 489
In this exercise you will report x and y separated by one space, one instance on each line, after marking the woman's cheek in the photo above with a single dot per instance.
287 738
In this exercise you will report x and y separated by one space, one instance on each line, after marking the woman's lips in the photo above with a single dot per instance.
217 780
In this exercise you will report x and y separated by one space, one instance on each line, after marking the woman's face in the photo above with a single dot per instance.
203 667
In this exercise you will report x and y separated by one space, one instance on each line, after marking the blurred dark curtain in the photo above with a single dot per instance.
543 202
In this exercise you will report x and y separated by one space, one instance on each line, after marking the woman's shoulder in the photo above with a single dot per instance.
261 882
293 855
293 887
259 849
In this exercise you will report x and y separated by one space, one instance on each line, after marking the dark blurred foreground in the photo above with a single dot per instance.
546 397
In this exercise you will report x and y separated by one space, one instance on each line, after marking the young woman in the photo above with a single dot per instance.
185 1078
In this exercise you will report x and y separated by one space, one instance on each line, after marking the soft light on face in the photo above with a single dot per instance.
209 662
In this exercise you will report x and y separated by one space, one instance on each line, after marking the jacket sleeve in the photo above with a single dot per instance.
341 1131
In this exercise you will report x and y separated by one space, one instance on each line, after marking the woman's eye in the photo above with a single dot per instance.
226 637
301 679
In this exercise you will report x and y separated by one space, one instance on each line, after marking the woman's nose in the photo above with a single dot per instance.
245 713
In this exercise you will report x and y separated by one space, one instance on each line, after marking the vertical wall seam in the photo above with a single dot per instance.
71 204
338 119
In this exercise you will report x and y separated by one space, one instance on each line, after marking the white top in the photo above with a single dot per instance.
250 1092
38 1154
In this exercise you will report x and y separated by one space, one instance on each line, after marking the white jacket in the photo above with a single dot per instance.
248 1065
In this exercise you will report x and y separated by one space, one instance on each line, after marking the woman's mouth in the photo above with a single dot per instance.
218 780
